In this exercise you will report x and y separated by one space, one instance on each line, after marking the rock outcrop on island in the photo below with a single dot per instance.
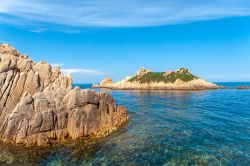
106 81
144 79
38 104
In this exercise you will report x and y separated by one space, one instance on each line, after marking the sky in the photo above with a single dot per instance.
93 39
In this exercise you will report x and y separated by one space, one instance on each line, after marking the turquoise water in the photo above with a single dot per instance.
165 128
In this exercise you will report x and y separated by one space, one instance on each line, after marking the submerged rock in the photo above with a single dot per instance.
38 104
6 157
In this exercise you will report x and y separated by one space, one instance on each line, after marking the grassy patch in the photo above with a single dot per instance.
161 77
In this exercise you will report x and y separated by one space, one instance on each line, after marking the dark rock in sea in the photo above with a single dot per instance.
242 87
38 104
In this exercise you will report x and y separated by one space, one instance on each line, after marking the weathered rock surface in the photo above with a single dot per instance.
38 104
144 79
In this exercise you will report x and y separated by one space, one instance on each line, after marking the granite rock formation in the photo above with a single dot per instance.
106 81
142 71
38 104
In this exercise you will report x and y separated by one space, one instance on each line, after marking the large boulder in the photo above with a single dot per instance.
38 104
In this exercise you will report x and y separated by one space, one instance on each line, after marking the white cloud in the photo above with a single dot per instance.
83 71
117 13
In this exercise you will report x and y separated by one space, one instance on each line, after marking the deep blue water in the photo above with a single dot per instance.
168 128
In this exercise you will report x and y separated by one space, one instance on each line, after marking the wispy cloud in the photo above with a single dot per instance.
38 30
117 13
83 71
78 71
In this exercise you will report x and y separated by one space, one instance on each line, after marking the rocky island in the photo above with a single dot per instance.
39 106
181 79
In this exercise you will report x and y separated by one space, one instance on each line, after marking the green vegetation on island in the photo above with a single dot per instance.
167 77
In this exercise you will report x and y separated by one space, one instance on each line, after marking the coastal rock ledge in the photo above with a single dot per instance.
39 106
181 79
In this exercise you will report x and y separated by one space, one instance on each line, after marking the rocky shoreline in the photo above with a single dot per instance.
181 79
39 106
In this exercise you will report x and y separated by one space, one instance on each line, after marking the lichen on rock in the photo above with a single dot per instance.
38 104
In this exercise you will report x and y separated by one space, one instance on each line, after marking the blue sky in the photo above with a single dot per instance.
94 39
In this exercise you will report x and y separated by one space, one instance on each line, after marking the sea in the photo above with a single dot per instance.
208 127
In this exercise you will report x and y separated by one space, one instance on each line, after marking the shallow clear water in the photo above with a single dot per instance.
165 128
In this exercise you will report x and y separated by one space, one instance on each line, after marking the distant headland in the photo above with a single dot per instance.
181 79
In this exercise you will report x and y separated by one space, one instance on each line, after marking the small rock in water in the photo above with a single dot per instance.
242 87
223 87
